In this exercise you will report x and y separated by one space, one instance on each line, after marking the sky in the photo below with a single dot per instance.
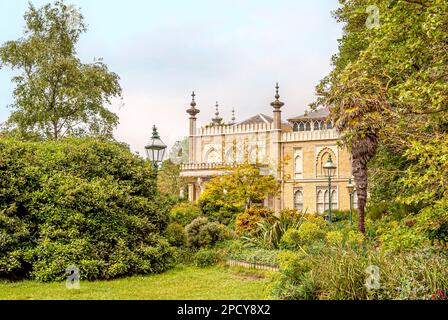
230 51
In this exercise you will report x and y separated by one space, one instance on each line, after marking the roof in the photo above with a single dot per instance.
262 118
318 114
259 118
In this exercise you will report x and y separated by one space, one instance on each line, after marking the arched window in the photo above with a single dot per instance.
298 163
253 155
321 125
212 156
308 126
329 125
301 126
334 199
322 158
323 200
298 200
316 125
320 201
295 127
230 155
239 155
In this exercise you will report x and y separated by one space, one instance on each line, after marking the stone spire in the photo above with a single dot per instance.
233 116
193 111
277 104
217 120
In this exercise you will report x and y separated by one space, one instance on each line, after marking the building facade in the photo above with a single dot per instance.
294 151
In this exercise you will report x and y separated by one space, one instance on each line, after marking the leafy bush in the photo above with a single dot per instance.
223 215
335 238
205 258
176 235
271 230
290 240
340 215
247 222
433 222
82 202
294 281
184 213
397 236
202 233
310 232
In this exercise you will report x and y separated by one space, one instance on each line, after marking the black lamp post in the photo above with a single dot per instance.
155 150
351 189
330 171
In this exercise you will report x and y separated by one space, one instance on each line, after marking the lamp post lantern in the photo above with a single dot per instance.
155 150
351 189
330 171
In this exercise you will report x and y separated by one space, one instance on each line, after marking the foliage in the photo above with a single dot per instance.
205 258
247 222
83 202
294 281
394 73
272 230
240 188
202 233
335 238
433 222
290 240
184 213
400 235
309 232
169 181
56 95
176 235
341 275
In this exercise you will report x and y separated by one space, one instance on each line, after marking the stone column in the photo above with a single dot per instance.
276 137
192 111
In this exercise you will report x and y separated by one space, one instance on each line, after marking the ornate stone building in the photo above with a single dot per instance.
294 151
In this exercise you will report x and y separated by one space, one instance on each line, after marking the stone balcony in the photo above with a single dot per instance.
204 169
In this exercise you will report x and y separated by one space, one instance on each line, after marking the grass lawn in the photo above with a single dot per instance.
177 284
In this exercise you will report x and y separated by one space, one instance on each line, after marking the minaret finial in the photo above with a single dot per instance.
217 119
233 115
193 111
277 104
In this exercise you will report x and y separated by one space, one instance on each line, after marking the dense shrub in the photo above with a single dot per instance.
205 258
341 274
290 240
310 232
203 233
271 230
184 213
82 202
176 235
247 221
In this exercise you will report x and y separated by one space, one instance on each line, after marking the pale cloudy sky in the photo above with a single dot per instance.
230 51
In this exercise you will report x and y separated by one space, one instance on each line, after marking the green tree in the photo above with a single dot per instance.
169 181
55 94
238 189
389 83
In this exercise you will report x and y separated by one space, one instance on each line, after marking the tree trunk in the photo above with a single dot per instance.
360 175
362 152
